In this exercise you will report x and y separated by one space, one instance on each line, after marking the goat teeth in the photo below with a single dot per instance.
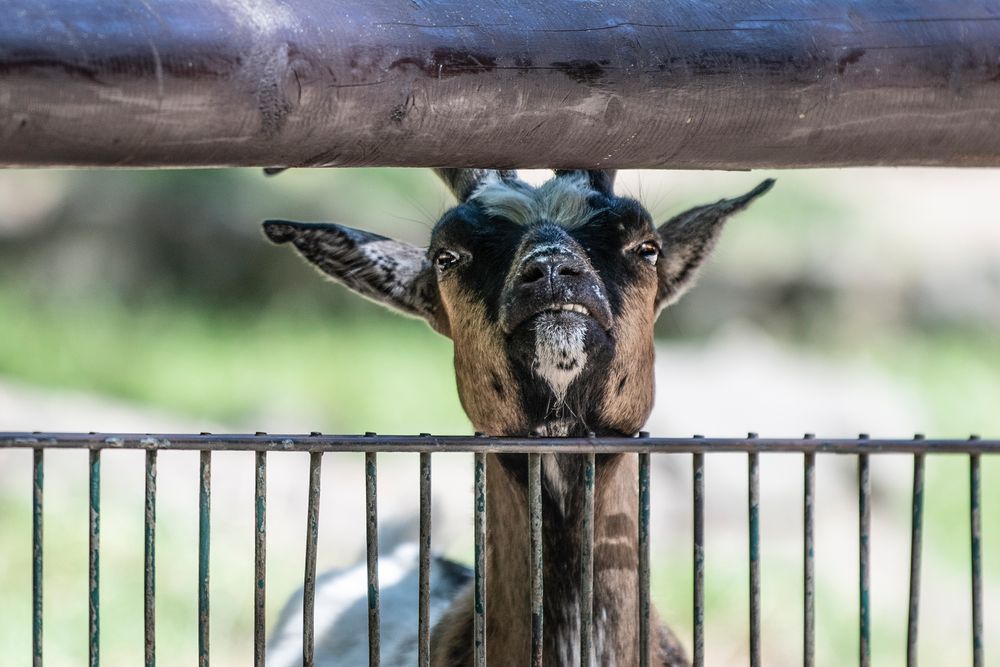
571 307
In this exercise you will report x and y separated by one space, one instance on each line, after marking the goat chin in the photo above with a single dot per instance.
341 617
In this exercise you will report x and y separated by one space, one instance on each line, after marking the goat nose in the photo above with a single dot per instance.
549 267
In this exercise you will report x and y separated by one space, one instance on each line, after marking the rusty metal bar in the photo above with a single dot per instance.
698 556
309 571
753 504
424 622
204 554
808 561
260 558
975 524
149 568
864 530
537 566
712 84
479 536
95 559
371 539
587 563
480 444
916 544
644 558
37 498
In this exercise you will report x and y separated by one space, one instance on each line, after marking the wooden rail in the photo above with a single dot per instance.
621 83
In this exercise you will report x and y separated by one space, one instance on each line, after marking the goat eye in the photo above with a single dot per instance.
649 251
445 259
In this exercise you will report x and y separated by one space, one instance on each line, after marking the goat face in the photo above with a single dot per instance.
549 294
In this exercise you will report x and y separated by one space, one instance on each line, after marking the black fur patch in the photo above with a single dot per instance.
493 242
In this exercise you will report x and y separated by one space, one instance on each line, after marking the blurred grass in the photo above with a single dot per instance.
956 371
231 367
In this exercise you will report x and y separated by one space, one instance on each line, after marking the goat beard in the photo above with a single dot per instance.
559 359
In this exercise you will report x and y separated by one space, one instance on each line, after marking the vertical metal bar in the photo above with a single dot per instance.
587 563
864 527
95 558
36 556
260 558
149 571
480 554
309 571
644 559
371 537
537 593
204 544
753 498
424 626
977 562
808 562
698 557
916 541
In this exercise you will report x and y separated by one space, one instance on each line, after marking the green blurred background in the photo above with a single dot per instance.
844 301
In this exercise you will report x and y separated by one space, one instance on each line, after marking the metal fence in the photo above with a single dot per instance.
426 445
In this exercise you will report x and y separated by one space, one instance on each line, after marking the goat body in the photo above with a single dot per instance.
549 295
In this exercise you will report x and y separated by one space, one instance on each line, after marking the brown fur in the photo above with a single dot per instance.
628 396
486 387
616 608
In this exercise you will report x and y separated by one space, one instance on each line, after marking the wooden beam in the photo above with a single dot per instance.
562 83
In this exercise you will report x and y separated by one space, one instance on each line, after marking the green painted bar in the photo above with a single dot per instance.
753 502
371 539
698 556
975 529
309 570
479 534
260 558
37 497
587 563
864 528
204 545
808 561
149 565
95 558
916 542
537 584
424 612
644 559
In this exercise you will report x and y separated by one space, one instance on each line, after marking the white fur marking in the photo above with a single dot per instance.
547 249
601 637
563 200
341 620
569 636
559 352
553 473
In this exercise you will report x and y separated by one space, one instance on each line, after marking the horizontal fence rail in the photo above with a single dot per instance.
316 445
562 84
480 444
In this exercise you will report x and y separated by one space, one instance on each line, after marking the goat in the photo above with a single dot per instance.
549 295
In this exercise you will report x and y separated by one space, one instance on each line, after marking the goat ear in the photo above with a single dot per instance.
389 272
688 238
463 182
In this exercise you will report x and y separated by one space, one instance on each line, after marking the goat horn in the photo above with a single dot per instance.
463 182
601 180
